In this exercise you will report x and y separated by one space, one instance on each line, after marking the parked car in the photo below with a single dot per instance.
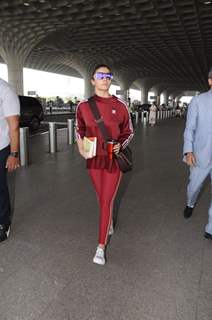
31 112
142 107
145 106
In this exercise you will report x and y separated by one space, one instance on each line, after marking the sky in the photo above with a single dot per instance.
47 84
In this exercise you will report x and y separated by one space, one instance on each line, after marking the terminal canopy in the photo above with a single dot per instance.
167 40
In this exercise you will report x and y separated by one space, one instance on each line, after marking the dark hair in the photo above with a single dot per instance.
100 66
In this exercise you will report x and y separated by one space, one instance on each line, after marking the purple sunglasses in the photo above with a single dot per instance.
102 75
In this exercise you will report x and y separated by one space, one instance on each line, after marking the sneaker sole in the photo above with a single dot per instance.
98 261
208 236
6 235
8 231
111 232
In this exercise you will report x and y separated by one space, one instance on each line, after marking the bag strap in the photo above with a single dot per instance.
98 119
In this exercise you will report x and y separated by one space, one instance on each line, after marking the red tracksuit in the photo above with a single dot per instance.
105 173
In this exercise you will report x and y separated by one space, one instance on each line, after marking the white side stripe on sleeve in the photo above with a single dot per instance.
76 121
127 141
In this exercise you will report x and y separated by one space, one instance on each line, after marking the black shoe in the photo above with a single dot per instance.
187 212
208 235
4 232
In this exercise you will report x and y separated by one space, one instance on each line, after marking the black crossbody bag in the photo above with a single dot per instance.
124 157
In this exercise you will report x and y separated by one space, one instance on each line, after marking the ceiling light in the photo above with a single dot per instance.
26 4
207 2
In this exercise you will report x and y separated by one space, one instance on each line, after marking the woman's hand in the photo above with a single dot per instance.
85 156
80 146
116 148
81 149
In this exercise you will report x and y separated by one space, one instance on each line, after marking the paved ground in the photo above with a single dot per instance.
159 265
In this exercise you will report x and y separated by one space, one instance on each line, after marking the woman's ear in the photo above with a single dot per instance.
93 82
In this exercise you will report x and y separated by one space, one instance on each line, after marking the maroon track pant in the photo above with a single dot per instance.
106 185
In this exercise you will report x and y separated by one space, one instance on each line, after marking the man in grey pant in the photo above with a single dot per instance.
197 149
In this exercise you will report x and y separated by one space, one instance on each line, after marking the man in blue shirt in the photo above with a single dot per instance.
197 149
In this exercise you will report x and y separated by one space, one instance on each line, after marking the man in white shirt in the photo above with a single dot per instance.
9 147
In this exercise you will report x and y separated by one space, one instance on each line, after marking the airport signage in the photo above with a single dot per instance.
120 92
31 93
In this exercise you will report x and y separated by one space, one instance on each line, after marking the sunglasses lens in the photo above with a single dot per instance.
98 76
109 77
102 75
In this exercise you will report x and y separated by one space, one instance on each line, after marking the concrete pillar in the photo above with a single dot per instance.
144 94
158 100
165 97
124 94
124 84
156 94
177 99
15 64
89 89
79 62
15 77
124 81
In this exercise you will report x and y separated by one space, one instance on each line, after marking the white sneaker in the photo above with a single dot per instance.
99 257
111 230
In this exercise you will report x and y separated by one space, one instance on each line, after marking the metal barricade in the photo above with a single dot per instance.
71 135
24 146
145 117
52 137
136 118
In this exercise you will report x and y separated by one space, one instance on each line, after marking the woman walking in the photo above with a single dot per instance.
103 167
152 114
